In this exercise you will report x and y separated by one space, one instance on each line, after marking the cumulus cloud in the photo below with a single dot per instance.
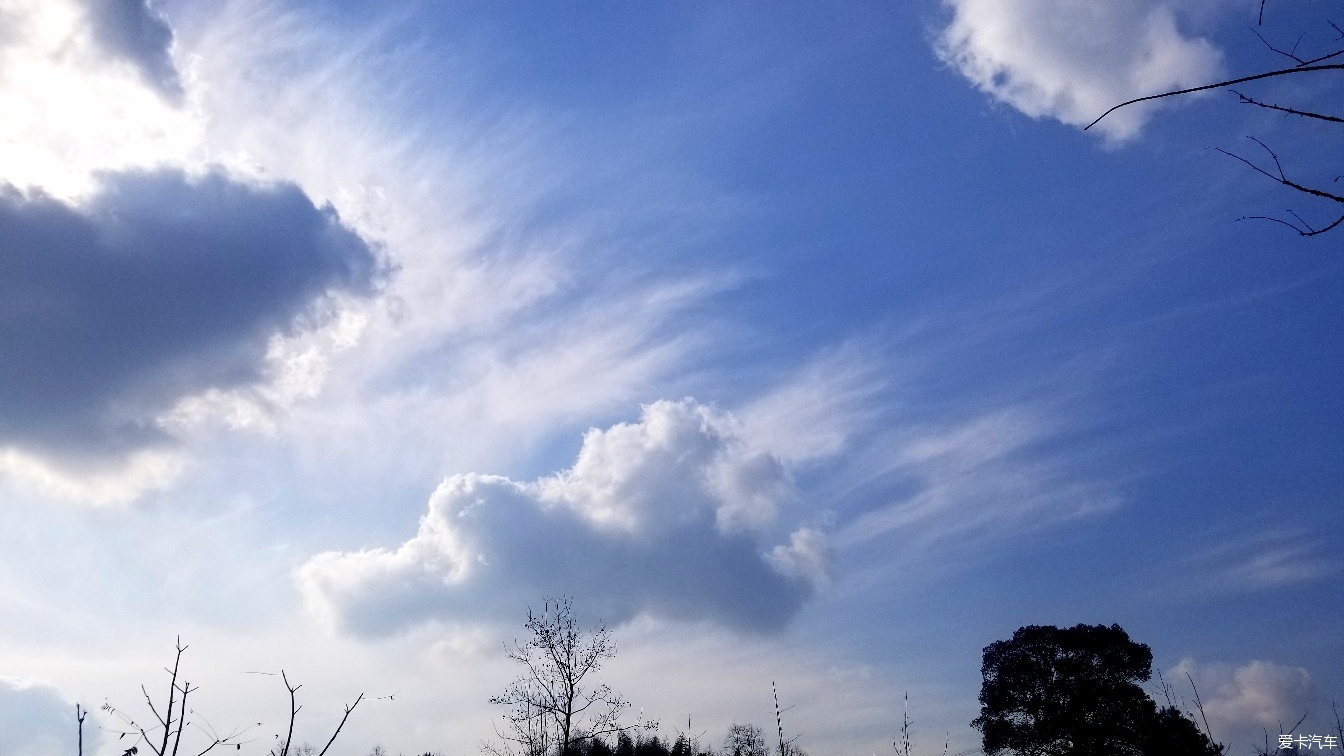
35 720
134 32
665 516
1071 60
1243 701
160 286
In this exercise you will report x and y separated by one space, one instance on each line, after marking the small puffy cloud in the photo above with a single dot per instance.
1242 702
1072 60
160 286
35 720
665 516
133 31
806 557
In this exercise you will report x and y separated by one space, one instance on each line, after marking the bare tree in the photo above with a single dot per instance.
555 704
745 740
173 718
283 747
1324 62
165 737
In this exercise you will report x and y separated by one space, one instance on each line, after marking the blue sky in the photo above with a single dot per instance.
800 344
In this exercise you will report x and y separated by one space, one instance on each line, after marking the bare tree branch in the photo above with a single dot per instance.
1303 230
293 712
1220 85
346 716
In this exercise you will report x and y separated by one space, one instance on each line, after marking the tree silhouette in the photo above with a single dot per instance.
1075 692
1173 733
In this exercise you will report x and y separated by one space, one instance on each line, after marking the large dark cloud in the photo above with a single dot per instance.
159 287
132 31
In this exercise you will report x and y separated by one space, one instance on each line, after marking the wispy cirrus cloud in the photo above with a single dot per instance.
1270 559
984 478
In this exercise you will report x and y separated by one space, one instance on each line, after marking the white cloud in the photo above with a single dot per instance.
1072 60
1242 702
626 475
663 516
806 557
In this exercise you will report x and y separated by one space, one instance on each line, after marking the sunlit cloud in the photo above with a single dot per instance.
1074 60
69 114
663 516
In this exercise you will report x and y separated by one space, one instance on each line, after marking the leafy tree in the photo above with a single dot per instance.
1065 692
1171 732
653 746
555 704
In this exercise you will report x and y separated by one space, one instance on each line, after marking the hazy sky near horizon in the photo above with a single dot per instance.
798 343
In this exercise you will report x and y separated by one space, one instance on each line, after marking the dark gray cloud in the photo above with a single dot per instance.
159 287
648 520
36 720
134 32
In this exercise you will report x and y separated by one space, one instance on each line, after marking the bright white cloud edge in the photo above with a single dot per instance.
1072 60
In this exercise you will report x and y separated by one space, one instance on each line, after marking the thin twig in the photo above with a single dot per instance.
1281 178
1272 48
1200 705
1305 113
